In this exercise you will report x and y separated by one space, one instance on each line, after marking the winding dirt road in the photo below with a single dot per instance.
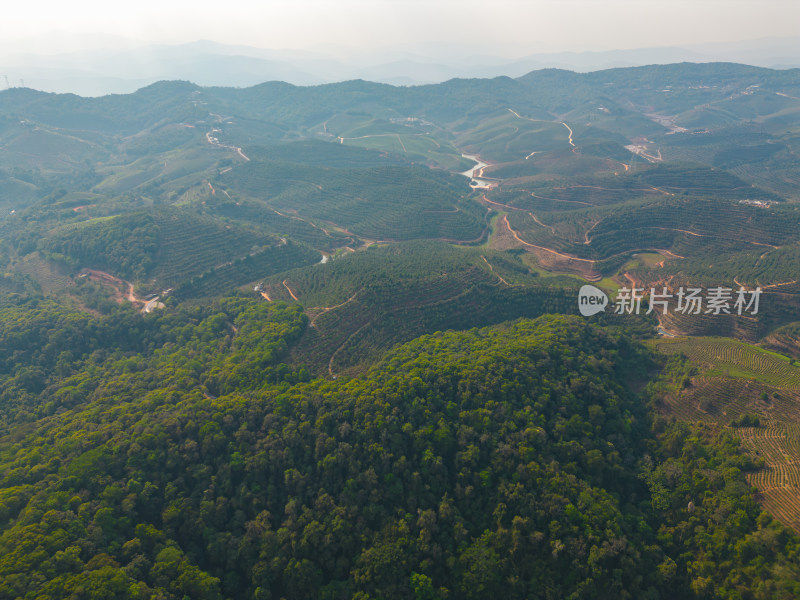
554 252
326 309
288 289
569 129
491 268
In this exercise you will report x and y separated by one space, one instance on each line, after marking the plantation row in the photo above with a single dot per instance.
354 333
723 220
687 227
782 504
779 481
777 305
582 190
776 446
47 276
266 179
567 195
386 294
759 266
726 399
559 163
716 400
623 185
785 340
506 137
533 232
745 327
245 270
568 236
739 359
190 245
380 267
320 154
605 241
697 154
783 180
331 331
394 294
256 213
167 246
416 147
777 371
739 385
773 475
377 203
702 181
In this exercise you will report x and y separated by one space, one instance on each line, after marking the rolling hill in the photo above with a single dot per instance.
311 342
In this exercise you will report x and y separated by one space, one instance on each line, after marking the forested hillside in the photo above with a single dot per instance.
516 460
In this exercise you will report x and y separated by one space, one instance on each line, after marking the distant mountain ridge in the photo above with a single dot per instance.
540 89
100 71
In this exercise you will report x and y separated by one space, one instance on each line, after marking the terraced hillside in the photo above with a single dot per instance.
737 385
377 203
367 301
577 171
258 263
785 340
251 212
727 357
169 248
684 227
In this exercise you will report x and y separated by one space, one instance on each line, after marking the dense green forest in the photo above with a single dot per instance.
514 460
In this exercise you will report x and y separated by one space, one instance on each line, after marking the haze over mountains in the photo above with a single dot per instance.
321 343
103 64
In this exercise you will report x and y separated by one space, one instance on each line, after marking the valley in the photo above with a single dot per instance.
324 342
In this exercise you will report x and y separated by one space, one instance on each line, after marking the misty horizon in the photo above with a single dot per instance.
130 66
92 48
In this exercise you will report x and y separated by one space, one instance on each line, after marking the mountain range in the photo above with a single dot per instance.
105 64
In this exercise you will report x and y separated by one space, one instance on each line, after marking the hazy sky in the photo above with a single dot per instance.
508 26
